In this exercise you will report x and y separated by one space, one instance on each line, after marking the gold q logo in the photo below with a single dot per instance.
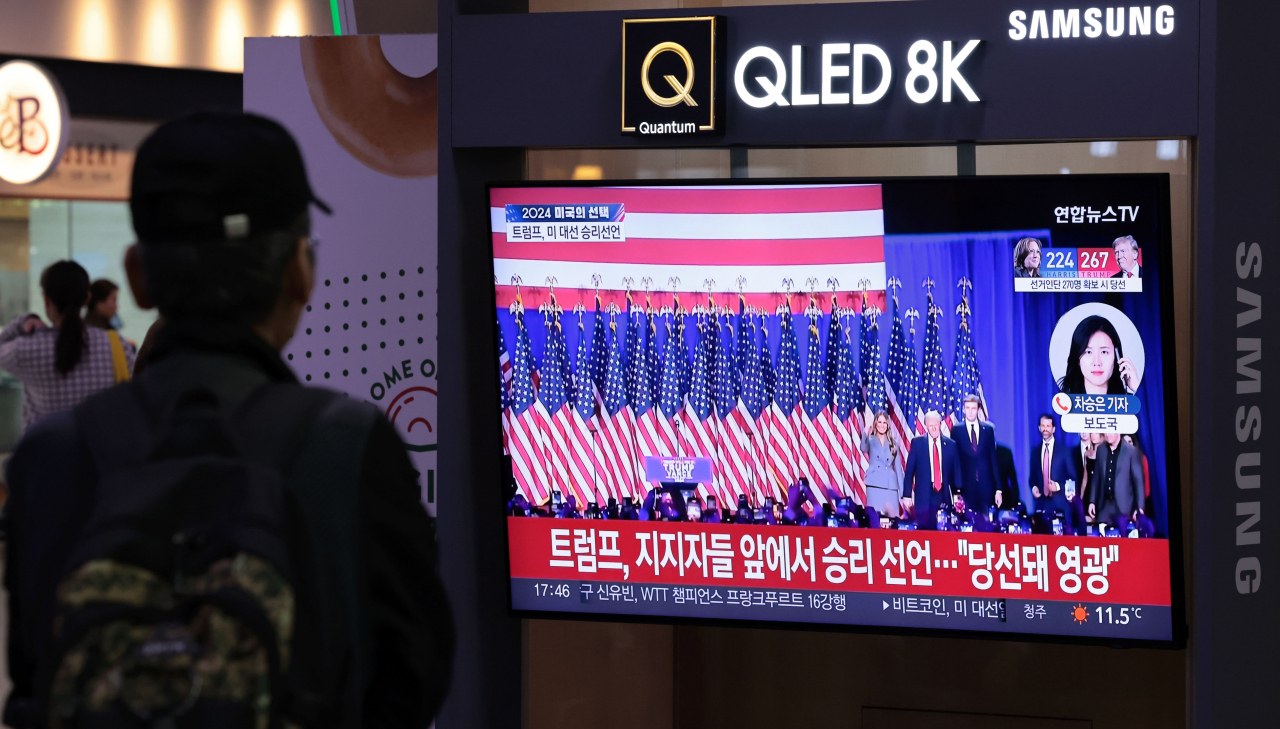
682 90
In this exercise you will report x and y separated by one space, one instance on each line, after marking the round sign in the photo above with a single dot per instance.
33 123
1062 403
1130 341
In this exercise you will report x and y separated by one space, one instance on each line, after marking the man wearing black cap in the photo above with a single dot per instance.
220 205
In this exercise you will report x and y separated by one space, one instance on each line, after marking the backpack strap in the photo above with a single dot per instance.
328 667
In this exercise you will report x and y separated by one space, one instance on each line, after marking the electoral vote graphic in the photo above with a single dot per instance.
839 357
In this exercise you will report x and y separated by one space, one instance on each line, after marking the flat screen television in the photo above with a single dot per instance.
911 404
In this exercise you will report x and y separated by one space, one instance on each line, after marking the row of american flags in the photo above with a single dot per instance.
708 382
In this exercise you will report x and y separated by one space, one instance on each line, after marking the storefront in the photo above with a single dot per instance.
77 207
973 88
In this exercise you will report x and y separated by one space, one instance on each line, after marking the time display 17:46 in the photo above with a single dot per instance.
551 589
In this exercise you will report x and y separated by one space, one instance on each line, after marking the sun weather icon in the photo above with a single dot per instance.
1080 614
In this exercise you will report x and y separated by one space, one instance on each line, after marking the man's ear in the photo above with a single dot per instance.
137 279
299 275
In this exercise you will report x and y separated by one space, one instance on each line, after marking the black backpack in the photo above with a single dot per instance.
195 571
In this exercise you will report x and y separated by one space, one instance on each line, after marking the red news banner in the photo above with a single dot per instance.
991 565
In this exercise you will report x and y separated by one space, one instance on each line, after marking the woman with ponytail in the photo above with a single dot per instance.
62 364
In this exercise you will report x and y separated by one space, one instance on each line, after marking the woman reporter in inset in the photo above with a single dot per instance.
1096 365
884 468
62 364
1026 258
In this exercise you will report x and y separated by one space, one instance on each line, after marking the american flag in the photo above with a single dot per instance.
699 419
675 364
504 387
599 355
935 390
651 356
784 444
751 406
876 399
557 423
587 454
528 458
902 383
775 484
648 428
733 446
966 378
848 410
619 453
746 238
817 435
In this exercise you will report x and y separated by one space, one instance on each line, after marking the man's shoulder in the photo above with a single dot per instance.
57 431
52 442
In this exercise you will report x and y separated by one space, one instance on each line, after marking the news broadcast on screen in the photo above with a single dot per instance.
918 403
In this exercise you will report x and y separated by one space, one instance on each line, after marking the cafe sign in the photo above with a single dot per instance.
33 123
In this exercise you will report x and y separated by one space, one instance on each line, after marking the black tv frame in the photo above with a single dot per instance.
1177 585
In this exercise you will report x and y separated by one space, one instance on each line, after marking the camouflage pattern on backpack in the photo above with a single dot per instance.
160 669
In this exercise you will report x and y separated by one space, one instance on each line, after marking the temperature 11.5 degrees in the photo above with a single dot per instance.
1117 616
551 589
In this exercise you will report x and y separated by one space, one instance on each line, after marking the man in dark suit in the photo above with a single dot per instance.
1126 252
1115 493
1051 468
1007 478
933 472
979 471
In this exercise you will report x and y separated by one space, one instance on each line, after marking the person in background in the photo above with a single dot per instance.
1050 469
976 445
884 468
1132 440
221 206
1007 483
932 476
1126 249
62 364
1115 496
1026 258
1085 459
103 304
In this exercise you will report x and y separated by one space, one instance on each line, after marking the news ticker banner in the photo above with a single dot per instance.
1086 586
363 110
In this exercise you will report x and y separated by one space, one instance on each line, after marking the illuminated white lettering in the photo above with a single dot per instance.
921 70
1018 31
798 97
832 71
773 89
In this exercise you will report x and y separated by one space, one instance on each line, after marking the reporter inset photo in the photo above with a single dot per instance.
1096 350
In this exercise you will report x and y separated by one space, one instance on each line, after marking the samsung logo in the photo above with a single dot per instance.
1067 23
1248 418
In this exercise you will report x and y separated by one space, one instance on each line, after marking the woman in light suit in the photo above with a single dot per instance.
884 468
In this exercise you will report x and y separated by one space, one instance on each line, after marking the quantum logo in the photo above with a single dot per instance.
669 75
682 89
33 121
